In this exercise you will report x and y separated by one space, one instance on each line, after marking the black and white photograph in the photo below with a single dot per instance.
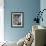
17 19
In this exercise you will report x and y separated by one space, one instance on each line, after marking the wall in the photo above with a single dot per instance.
43 6
29 7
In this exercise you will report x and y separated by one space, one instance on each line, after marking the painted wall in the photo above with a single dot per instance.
29 7
43 6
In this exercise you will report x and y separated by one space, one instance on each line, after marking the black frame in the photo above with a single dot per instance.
22 20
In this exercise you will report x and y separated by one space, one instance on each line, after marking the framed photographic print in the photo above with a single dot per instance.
17 19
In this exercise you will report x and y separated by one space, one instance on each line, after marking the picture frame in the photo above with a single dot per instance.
17 19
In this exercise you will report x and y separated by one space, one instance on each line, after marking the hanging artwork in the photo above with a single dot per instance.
17 19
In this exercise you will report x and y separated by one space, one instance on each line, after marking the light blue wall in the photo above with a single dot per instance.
29 7
43 6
